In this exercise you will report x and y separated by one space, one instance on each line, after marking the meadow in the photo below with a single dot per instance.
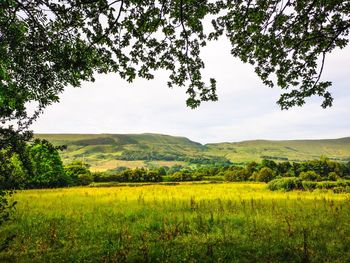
187 222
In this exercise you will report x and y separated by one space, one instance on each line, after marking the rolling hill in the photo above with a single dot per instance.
292 150
107 151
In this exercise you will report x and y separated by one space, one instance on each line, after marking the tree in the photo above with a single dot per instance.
46 166
237 174
265 175
12 172
47 45
310 176
78 173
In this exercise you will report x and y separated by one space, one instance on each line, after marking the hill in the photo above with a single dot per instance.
292 150
107 151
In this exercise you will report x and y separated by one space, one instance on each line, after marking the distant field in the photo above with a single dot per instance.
228 222
111 164
104 151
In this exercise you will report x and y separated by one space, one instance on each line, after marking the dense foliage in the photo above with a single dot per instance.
129 175
296 183
47 45
78 173
46 171
129 155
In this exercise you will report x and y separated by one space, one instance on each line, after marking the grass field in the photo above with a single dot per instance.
227 222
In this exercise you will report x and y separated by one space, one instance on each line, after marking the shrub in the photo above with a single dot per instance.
183 176
326 185
254 176
237 175
79 173
266 175
333 176
85 179
153 176
309 185
286 184
310 176
340 189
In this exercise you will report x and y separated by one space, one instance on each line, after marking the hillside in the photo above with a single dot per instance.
293 150
107 151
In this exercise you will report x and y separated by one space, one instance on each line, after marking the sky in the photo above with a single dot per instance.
246 109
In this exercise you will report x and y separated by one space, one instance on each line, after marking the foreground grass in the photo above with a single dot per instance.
229 222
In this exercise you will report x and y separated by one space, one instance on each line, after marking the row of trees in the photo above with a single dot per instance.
130 155
40 166
265 171
130 175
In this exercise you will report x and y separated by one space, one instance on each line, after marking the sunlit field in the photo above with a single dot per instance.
227 222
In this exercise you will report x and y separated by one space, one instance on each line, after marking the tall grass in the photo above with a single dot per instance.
229 222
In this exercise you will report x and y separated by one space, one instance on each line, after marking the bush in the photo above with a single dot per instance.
310 176
309 185
185 176
286 184
237 175
340 190
85 179
254 176
79 173
266 175
327 185
332 184
333 176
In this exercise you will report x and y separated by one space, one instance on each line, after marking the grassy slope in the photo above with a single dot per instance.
294 150
101 150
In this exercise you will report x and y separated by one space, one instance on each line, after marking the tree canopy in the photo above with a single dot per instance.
46 45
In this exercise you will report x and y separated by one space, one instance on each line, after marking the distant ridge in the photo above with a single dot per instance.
105 151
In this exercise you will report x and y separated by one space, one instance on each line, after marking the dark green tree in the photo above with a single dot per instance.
46 166
265 175
78 173
12 172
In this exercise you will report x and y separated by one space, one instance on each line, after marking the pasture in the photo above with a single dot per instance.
188 222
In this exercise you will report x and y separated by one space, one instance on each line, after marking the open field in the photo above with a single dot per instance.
111 164
228 222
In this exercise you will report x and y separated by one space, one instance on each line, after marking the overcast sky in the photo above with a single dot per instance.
246 108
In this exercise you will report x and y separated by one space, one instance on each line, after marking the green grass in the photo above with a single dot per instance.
227 222
102 150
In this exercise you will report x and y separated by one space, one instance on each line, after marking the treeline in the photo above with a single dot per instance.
173 156
40 166
297 183
322 169
176 173
309 175
123 174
